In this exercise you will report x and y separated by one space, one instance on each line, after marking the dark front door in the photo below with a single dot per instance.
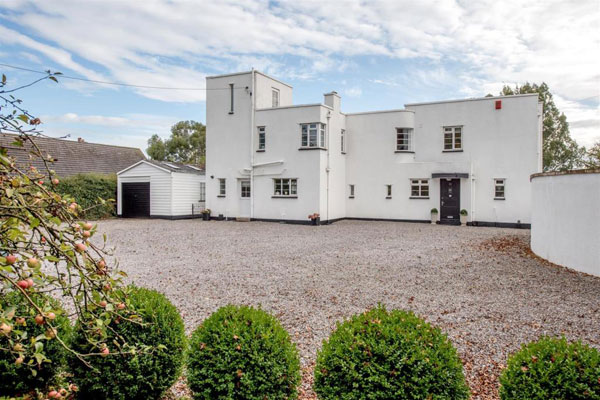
136 199
450 201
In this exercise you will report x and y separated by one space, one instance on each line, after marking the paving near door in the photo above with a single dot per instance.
479 285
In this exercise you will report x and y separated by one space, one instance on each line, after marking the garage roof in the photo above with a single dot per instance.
169 167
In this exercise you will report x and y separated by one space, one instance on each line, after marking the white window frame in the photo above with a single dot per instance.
421 186
275 97
499 183
388 189
310 131
202 192
222 187
285 187
456 135
343 143
351 190
404 140
245 188
262 138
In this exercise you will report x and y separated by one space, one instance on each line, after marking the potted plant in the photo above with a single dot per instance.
206 214
463 217
434 215
315 219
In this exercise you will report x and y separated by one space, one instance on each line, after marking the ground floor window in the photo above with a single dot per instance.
245 189
222 187
351 187
419 188
285 187
202 191
388 189
499 186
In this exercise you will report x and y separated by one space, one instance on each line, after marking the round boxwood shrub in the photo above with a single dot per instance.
28 376
388 355
242 353
552 368
141 376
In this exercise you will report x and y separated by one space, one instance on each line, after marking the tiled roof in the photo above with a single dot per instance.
73 157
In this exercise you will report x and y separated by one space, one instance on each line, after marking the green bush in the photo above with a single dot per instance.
30 375
242 353
141 376
388 355
87 189
552 368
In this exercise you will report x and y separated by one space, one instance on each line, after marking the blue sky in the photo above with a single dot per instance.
376 54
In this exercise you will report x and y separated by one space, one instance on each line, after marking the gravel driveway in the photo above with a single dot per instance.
479 285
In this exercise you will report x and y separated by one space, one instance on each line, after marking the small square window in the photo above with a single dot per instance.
419 188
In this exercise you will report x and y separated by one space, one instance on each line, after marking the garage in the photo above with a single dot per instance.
158 189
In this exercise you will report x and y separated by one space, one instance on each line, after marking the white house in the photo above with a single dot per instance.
160 190
268 159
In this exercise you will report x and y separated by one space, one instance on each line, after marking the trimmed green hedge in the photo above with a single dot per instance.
242 353
87 189
389 355
552 368
135 377
20 379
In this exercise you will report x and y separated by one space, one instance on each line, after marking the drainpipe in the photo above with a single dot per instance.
472 194
252 99
327 169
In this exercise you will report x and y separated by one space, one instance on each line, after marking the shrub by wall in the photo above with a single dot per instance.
242 353
141 376
87 189
388 355
27 374
552 368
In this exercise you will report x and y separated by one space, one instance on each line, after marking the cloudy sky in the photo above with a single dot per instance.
376 54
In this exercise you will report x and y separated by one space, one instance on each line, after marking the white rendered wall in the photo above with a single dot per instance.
565 225
160 187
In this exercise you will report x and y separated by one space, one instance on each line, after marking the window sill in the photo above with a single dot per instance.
350 197
499 198
388 197
404 151
220 195
284 197
418 198
452 151
260 150
312 148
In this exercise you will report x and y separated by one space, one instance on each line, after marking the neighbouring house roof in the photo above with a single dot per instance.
72 157
168 166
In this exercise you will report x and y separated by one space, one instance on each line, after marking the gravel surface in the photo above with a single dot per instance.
482 286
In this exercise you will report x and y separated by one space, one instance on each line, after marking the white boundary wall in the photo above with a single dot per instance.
565 219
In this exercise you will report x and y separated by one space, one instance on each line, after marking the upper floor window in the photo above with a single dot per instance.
275 97
419 188
313 135
453 138
285 187
222 187
499 186
202 191
404 139
262 140
231 97
343 141
388 191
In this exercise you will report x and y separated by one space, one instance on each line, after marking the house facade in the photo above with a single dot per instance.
268 159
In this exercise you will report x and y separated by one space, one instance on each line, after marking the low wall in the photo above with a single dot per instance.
565 219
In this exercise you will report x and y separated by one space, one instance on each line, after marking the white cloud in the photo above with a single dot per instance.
353 92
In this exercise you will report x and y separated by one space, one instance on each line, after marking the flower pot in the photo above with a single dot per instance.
206 216
316 221
434 218
463 220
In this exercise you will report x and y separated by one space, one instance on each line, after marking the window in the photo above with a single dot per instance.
275 97
499 189
222 187
419 188
231 95
351 187
389 191
452 138
245 189
404 139
313 135
285 187
261 138
202 191
343 141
